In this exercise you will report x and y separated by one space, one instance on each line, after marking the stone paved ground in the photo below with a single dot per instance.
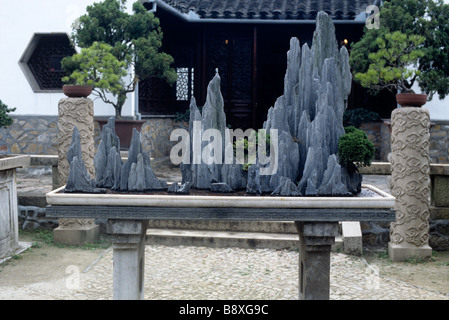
201 273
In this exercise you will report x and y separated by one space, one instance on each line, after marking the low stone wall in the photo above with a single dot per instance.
30 135
439 142
39 135
156 135
379 134
376 234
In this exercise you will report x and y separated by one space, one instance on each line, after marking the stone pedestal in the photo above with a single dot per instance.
9 234
316 239
76 112
410 184
128 243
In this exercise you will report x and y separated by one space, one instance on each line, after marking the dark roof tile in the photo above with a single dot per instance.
271 9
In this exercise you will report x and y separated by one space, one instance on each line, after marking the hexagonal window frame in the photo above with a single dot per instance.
41 59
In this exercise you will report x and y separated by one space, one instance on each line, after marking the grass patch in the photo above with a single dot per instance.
45 237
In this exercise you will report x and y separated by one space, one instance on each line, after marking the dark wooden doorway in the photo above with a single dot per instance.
232 55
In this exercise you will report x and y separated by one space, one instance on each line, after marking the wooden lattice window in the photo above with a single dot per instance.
41 61
184 84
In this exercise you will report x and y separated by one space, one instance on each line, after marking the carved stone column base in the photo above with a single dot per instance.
76 232
398 252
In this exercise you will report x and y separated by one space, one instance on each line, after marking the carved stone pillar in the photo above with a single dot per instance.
410 184
75 112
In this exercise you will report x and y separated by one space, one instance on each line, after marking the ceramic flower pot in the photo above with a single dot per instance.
75 91
411 99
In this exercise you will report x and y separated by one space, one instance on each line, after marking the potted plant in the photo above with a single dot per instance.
118 50
411 32
391 67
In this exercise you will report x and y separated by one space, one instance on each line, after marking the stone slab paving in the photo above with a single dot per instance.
194 273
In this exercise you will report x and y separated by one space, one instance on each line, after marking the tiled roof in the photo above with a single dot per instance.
271 9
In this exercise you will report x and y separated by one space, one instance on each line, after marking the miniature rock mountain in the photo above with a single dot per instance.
137 174
108 163
79 179
133 175
308 118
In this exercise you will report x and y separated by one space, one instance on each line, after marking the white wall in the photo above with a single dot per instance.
19 20
438 109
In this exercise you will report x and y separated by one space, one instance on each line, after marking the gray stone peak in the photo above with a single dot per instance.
306 121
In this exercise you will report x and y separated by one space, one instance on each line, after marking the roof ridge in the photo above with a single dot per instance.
271 9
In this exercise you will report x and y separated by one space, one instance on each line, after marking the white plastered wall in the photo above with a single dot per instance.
19 21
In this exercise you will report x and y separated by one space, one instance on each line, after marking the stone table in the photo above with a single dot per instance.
316 219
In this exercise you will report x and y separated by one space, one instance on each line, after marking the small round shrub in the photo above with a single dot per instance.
354 149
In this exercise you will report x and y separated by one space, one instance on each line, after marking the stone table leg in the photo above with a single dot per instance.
128 243
316 239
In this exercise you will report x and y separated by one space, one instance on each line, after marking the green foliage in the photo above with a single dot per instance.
245 143
124 48
354 148
427 20
355 117
5 119
96 66
389 67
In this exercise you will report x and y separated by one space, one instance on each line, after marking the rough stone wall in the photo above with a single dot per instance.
377 235
156 136
439 142
30 135
39 135
373 131
379 134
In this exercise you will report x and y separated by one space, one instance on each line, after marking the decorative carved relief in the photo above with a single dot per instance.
77 112
410 180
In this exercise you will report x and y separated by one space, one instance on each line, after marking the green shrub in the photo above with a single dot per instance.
5 119
354 149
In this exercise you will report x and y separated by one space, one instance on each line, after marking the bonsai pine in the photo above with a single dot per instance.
411 32
118 50
389 66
